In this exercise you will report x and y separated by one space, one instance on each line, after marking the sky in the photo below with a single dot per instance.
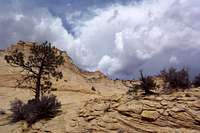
117 37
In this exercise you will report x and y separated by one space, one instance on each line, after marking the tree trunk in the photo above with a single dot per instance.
38 84
37 91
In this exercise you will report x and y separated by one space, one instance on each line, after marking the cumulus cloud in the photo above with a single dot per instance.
37 24
121 40
118 40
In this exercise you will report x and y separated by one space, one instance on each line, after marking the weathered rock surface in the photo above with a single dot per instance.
150 115
162 115
108 109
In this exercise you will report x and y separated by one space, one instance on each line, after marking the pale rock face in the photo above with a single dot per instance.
106 110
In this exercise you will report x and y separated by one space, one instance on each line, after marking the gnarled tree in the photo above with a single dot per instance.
37 68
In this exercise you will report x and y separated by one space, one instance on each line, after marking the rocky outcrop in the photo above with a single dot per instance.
91 103
153 114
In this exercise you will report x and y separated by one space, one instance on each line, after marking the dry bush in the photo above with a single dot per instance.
147 84
17 108
31 112
176 78
196 81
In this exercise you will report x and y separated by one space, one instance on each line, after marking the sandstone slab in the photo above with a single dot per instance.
150 115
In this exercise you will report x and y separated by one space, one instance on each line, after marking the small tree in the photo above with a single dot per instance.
38 68
147 83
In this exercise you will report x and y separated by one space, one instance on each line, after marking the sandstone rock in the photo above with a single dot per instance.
158 98
97 113
121 130
170 105
89 118
37 125
166 113
183 116
101 107
171 98
164 102
85 110
152 104
115 98
197 119
196 104
83 113
178 108
161 111
187 98
72 124
114 105
194 114
101 124
134 107
151 97
113 126
108 119
150 115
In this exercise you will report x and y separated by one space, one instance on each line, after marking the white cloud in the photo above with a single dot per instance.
121 40
18 17
37 25
109 65
173 60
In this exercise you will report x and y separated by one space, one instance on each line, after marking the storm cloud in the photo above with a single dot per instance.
117 39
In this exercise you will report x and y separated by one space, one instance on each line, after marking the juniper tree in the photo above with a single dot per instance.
38 67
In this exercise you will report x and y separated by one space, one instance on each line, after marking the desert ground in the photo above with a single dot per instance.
93 103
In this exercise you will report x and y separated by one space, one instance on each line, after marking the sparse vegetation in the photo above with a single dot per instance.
33 111
147 83
196 81
37 70
133 89
176 78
